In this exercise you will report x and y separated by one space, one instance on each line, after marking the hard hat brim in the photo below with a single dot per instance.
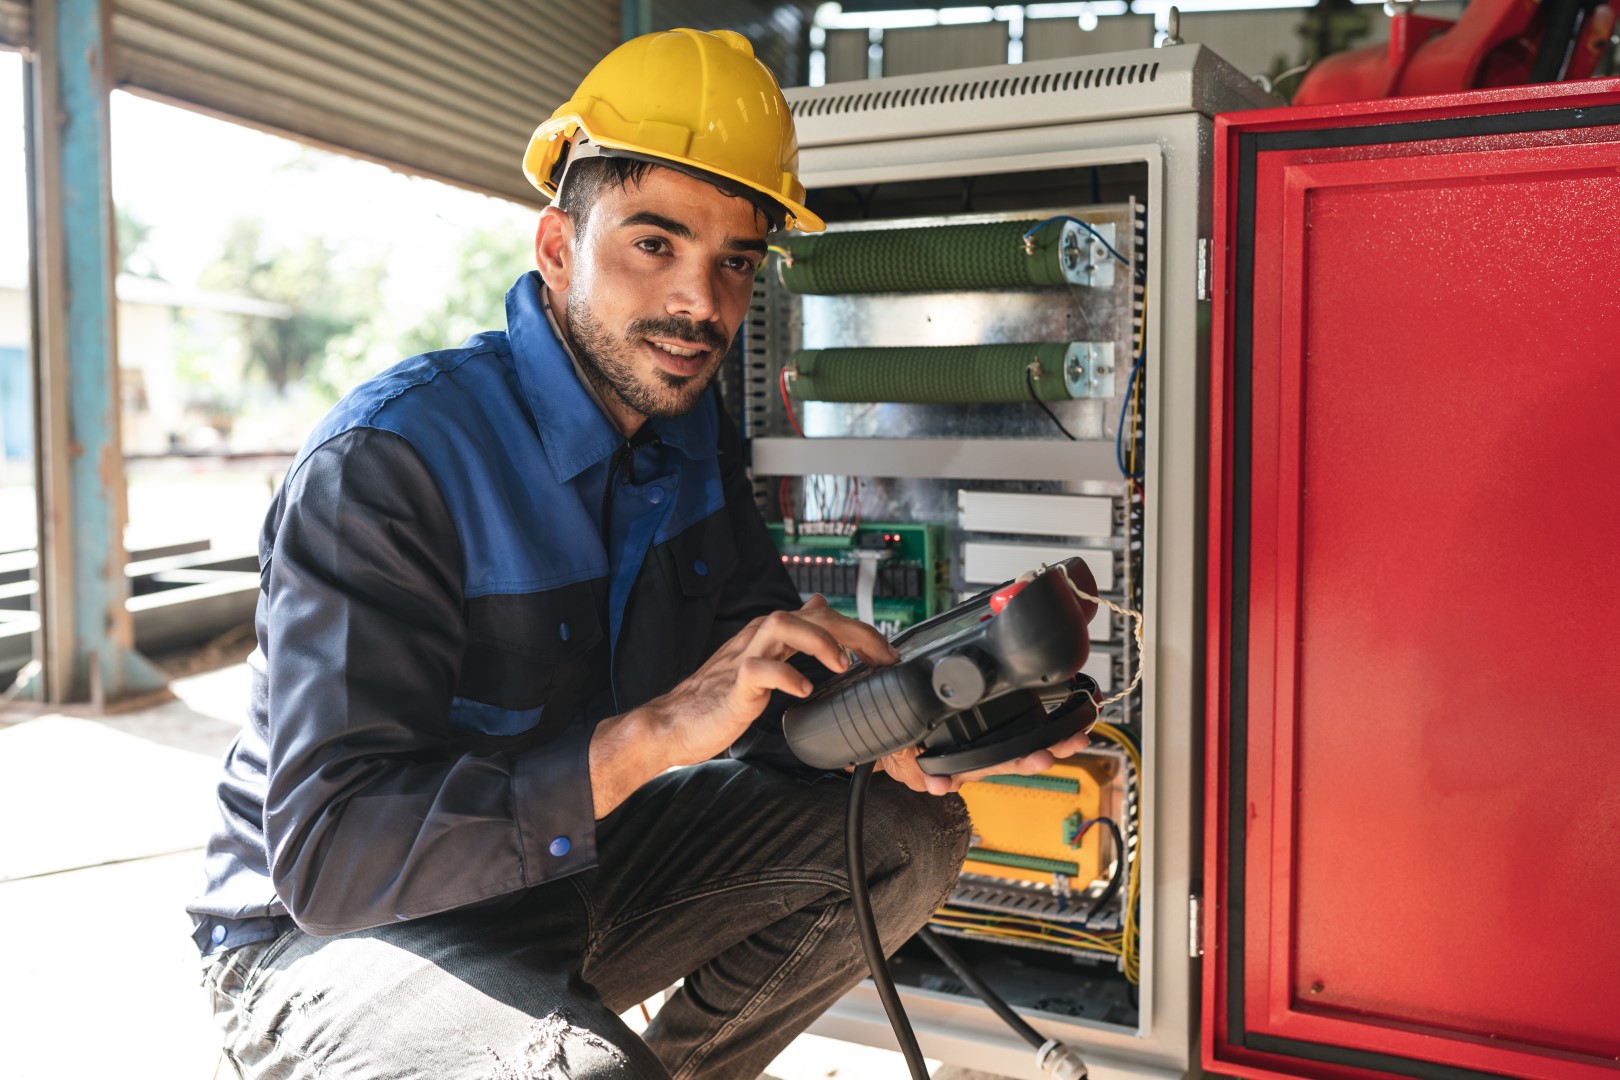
550 136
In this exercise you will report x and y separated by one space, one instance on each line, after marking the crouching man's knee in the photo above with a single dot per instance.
915 844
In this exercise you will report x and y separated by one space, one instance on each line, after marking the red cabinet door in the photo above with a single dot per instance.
1413 797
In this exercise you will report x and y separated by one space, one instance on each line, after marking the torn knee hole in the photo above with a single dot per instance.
557 1045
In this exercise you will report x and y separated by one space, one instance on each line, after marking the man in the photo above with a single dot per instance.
516 605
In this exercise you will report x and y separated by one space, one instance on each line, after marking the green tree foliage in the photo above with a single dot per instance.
132 234
325 303
487 262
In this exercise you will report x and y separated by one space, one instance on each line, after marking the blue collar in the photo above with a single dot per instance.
574 431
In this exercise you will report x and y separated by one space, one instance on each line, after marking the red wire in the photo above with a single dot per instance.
788 405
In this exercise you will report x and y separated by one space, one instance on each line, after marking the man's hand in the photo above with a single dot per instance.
902 765
709 710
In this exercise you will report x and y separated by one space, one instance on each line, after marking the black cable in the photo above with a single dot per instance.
866 926
1119 868
1562 20
1029 378
979 987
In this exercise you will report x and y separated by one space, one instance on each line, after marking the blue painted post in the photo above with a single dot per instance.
635 18
79 359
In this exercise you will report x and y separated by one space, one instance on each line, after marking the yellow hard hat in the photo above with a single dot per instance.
697 100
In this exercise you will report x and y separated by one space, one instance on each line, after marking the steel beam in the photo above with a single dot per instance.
87 632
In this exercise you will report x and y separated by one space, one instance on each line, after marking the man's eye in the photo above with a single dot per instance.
652 245
742 265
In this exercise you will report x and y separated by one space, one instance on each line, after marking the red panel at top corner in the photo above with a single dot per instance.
1561 95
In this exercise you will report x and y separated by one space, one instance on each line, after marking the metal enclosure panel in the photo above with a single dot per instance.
1413 807
1143 82
1035 515
1160 126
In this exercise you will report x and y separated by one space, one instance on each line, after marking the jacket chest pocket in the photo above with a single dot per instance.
528 656
705 558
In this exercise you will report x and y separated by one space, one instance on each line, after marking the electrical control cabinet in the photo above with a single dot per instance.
1000 344
1364 789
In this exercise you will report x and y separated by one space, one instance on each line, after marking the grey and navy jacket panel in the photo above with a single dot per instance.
466 568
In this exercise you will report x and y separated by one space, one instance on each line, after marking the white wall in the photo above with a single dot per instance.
944 48
1052 39
1254 42
14 316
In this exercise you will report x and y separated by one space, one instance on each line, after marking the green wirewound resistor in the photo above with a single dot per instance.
938 258
950 374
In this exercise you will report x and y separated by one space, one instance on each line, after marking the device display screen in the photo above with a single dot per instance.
946 624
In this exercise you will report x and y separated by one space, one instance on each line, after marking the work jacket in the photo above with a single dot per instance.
466 568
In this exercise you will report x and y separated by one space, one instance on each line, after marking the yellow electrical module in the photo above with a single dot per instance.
1025 827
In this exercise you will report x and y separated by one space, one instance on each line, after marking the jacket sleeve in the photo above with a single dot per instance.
760 586
375 811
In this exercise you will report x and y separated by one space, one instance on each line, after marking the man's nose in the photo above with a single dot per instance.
694 295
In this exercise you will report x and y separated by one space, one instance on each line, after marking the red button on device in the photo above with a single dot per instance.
999 598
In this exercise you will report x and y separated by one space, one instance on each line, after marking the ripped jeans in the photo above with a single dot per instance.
728 875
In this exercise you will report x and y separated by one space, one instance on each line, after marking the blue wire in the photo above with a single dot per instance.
1125 411
1094 233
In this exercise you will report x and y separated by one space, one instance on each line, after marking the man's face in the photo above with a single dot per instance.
660 280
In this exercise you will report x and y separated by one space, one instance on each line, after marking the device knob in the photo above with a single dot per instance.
961 679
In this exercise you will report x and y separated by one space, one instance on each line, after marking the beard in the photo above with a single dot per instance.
609 361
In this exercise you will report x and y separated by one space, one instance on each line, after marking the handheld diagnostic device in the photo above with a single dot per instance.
990 680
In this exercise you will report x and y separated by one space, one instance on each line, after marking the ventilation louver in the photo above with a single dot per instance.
1055 82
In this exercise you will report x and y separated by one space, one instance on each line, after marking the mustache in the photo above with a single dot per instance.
706 334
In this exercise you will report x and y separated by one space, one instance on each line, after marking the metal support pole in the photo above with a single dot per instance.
87 632
635 18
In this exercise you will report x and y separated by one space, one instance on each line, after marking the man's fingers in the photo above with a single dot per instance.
823 633
783 633
902 765
760 675
1030 764
863 640
1072 745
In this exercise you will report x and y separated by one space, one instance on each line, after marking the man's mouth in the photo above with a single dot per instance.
683 360
685 352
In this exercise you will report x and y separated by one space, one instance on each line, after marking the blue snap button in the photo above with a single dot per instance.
218 935
655 495
560 846
562 631
700 568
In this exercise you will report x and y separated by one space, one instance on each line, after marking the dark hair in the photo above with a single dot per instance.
588 178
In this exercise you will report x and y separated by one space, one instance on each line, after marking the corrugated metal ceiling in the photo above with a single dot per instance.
446 88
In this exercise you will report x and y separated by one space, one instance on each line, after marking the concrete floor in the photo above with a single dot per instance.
104 819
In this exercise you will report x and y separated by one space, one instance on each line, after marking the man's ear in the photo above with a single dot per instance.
554 248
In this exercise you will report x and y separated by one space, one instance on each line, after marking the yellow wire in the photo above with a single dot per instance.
1024 935
1041 924
1133 888
1136 397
